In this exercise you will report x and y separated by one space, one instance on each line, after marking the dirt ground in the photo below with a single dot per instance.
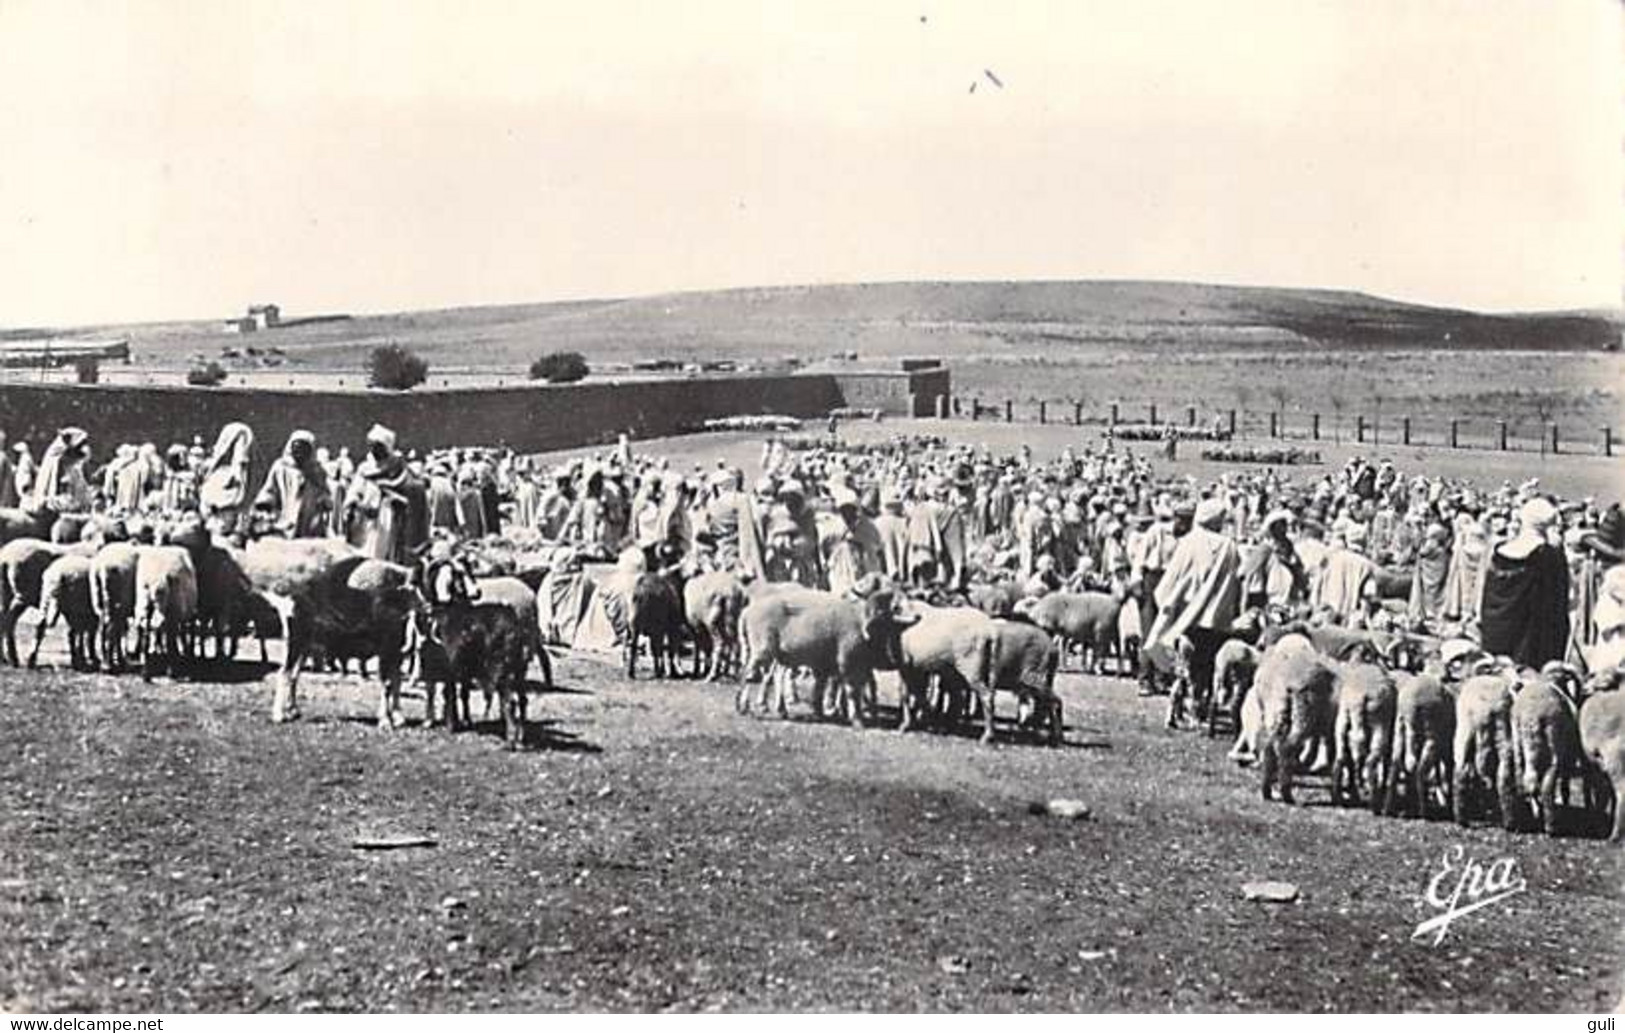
163 847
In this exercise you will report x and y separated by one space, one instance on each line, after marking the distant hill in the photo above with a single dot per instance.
889 319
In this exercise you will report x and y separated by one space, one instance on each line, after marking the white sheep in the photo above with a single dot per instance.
1483 750
1362 733
1602 737
1424 726
1296 693
65 595
1546 743
165 604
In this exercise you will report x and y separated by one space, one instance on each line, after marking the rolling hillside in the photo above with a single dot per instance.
961 320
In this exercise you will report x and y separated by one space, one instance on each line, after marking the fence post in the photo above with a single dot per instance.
1077 414
1405 430
1153 414
1554 439
975 409
1232 423
1009 411
1455 438
1314 426
1608 441
1043 412
1190 415
1359 428
1114 414
1501 425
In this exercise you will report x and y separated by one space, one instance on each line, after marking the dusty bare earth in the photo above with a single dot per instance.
163 847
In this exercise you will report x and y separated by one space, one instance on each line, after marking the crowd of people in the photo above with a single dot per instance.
1530 576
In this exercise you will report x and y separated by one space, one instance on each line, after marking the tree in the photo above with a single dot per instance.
395 368
206 374
560 367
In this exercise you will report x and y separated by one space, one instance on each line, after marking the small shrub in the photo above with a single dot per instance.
206 374
395 368
559 367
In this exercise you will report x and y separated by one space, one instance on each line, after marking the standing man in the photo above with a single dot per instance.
1199 598
296 495
387 503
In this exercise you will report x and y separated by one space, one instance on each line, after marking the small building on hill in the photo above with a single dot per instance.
259 317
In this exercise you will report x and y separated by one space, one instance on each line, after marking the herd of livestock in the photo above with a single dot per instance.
1401 721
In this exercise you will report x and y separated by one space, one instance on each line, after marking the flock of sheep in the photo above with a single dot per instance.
1402 723
1409 723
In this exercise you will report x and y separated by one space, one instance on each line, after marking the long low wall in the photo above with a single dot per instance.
529 418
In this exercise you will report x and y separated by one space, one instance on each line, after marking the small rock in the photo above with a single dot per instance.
1091 955
1070 810
617 912
452 904
604 792
953 964
1270 892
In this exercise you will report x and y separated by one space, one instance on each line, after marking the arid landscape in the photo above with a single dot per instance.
1214 347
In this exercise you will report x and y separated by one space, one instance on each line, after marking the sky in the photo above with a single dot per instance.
178 159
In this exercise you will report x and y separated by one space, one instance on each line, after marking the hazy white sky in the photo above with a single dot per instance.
182 159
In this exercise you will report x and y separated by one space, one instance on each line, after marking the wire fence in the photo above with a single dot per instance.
1339 426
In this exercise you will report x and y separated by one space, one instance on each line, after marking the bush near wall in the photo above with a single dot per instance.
207 374
560 368
395 368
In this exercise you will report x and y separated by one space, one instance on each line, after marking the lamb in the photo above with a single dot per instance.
65 594
1296 693
657 615
712 602
516 594
1087 618
835 638
1025 659
165 605
26 523
1235 666
112 595
1483 750
970 652
22 569
1602 737
1424 728
1362 733
996 600
1546 741
483 643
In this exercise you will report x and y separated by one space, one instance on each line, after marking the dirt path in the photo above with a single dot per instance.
164 847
